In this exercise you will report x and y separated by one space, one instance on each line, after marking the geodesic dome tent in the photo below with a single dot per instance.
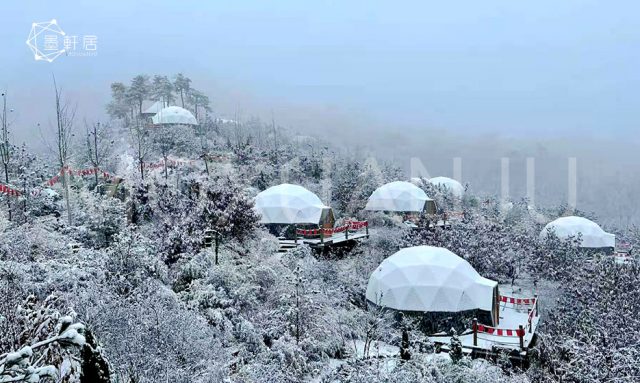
453 186
174 115
430 279
592 234
290 204
399 196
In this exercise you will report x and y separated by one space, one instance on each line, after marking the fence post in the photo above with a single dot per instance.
217 239
346 232
521 336
295 233
322 235
475 331
366 227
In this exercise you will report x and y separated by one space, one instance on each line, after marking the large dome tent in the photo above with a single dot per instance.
399 196
449 184
174 115
592 234
430 279
290 204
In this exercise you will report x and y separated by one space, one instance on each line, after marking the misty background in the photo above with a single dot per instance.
432 80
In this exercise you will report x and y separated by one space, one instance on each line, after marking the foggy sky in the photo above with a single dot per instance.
411 72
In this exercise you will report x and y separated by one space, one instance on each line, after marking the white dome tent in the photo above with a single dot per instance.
289 204
399 196
453 186
430 279
592 234
174 115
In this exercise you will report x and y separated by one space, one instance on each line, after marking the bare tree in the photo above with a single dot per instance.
98 145
5 146
65 114
141 143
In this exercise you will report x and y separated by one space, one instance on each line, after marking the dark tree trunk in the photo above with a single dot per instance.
95 368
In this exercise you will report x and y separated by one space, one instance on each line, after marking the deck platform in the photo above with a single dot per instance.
512 316
317 243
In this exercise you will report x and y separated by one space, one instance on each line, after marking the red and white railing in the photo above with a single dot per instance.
518 301
499 331
520 332
4 189
327 232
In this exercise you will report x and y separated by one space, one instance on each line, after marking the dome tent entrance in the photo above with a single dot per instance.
291 204
592 234
400 196
431 279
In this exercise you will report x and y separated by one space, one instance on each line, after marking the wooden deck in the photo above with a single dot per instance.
511 317
317 243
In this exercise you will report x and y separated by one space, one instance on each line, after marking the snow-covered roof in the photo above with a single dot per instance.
154 108
289 204
429 279
398 196
592 234
174 115
450 184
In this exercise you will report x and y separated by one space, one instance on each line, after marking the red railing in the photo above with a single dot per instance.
349 226
501 332
518 301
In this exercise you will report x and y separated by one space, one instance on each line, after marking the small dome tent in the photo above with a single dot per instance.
174 115
291 204
400 196
430 279
453 186
592 234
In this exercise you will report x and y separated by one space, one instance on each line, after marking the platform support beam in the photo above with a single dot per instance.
475 331
521 336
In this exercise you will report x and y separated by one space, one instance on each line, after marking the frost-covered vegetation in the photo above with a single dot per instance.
116 285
